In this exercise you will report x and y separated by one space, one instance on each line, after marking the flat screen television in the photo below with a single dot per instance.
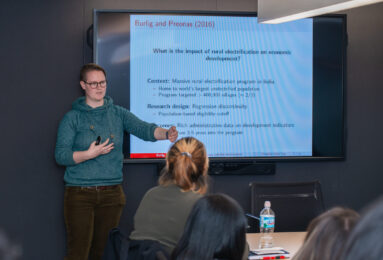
250 92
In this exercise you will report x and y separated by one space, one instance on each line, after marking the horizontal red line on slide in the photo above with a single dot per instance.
147 155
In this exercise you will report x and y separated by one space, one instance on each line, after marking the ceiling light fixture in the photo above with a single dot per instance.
280 11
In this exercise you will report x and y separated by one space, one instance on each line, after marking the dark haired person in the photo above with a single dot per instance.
89 144
163 211
215 229
365 241
327 235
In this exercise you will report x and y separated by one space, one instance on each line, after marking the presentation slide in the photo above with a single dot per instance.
244 89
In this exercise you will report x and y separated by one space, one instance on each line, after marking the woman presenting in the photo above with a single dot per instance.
89 144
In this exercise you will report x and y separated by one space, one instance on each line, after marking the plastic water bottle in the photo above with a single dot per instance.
266 226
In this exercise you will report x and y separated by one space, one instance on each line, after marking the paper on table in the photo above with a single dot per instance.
270 250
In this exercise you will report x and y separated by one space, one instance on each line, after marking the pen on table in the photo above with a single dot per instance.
274 257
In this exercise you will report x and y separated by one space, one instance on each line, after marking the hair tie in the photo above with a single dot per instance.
187 154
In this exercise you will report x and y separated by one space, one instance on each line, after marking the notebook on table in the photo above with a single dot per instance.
269 253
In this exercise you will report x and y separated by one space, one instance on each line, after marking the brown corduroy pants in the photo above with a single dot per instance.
89 216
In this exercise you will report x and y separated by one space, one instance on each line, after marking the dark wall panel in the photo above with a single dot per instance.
40 55
361 177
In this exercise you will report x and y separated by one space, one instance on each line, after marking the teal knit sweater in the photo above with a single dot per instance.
81 126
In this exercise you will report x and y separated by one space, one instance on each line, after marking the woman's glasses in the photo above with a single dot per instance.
95 84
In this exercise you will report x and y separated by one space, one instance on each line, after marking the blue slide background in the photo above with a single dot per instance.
271 115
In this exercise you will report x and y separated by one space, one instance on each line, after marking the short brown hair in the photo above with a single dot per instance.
186 165
90 67
327 235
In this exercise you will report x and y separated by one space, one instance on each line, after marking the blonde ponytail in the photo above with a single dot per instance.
186 165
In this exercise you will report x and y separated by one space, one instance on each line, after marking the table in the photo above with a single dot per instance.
290 241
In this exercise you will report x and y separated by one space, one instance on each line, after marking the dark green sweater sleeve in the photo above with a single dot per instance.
136 126
65 138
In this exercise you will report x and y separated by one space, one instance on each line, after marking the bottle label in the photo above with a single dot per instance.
267 221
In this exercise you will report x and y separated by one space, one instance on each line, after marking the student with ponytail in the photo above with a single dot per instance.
163 211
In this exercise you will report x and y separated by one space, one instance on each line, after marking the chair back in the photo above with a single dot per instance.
120 247
295 204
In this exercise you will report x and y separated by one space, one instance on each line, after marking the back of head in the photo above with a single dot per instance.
327 235
365 241
215 229
186 165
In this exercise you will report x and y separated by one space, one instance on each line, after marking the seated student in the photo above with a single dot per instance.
215 229
365 241
164 209
327 235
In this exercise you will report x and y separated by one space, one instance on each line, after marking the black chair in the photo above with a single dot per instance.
294 204
120 247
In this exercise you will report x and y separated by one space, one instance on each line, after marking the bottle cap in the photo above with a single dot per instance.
267 204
